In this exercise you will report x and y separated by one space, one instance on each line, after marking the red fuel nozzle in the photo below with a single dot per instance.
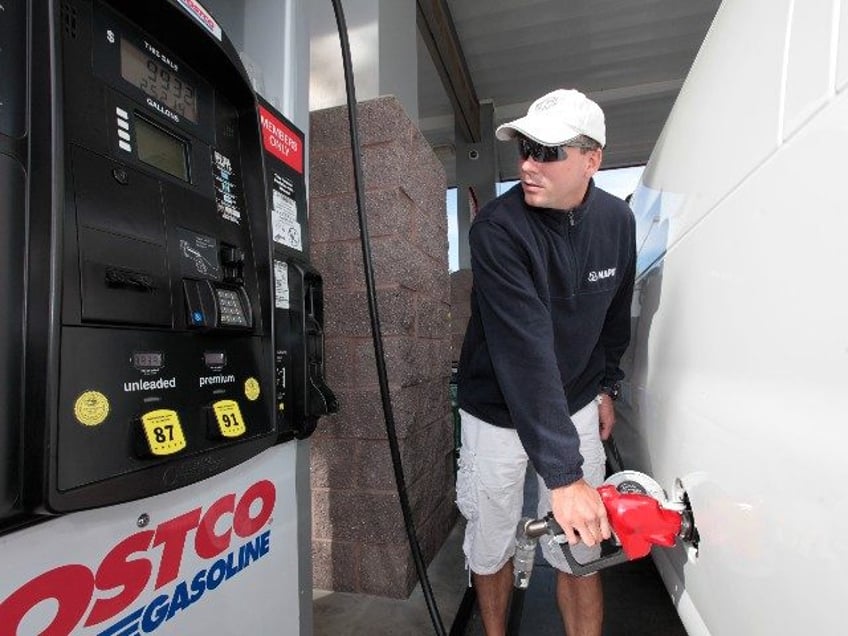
639 521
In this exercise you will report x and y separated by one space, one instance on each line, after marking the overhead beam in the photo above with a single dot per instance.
435 24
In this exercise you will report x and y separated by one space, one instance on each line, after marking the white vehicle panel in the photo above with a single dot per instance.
842 53
810 60
740 353
723 125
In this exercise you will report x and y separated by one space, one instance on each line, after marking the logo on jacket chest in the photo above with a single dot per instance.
596 275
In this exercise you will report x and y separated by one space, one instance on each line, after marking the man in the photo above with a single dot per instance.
553 262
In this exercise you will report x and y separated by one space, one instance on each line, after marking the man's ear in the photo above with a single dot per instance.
594 163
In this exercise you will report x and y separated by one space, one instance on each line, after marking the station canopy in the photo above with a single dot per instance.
631 56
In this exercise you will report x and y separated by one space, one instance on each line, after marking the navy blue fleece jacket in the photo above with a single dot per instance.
550 319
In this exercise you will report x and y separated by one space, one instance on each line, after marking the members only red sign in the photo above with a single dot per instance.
281 141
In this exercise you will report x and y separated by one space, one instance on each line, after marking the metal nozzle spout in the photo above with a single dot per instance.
535 527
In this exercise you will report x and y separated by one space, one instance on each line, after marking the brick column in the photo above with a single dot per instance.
460 282
359 542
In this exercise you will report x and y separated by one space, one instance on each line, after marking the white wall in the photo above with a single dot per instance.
384 52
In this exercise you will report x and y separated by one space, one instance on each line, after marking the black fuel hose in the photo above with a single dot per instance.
376 332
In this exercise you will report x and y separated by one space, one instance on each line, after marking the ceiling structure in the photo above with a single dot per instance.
631 56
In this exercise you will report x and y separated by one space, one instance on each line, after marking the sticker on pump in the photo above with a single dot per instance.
199 13
229 419
251 389
281 284
163 432
281 141
91 408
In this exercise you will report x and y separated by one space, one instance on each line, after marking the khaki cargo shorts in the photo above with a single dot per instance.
490 490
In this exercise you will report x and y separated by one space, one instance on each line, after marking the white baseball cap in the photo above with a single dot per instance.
558 117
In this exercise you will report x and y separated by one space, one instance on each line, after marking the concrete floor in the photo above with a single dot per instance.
341 614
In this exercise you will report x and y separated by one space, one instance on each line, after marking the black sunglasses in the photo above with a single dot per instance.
528 148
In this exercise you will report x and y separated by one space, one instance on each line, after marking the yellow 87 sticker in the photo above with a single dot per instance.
163 432
229 419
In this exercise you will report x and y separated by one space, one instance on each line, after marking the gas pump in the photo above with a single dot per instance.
148 326
148 344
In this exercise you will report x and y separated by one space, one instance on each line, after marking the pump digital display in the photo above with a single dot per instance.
161 149
148 360
159 81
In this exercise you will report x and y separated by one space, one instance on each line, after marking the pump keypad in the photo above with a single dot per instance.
232 312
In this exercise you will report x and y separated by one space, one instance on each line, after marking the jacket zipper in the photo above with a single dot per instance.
572 257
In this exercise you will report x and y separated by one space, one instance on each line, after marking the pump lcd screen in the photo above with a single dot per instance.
159 81
161 149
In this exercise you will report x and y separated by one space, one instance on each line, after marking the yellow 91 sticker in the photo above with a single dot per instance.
163 432
251 389
228 416
91 408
